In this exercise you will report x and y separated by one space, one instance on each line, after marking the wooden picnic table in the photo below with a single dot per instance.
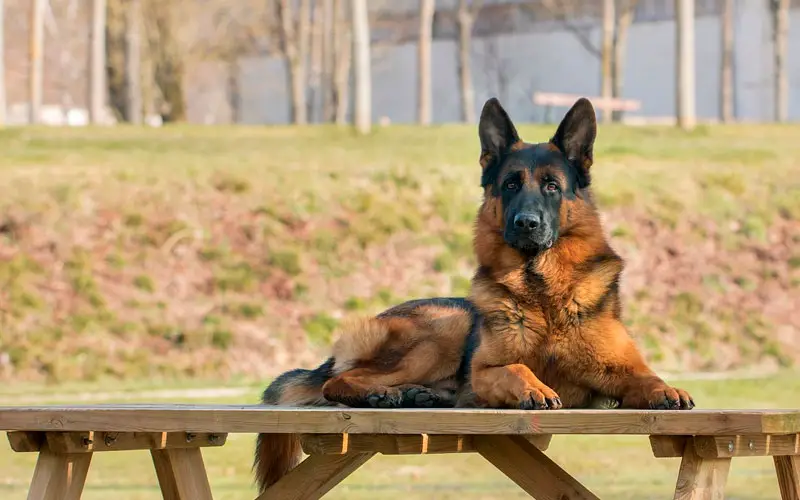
338 441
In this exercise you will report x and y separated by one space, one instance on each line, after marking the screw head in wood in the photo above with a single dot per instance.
751 445
730 446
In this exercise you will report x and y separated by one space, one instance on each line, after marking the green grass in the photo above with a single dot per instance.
123 241
612 467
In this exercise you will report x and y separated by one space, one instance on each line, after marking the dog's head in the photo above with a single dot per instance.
534 186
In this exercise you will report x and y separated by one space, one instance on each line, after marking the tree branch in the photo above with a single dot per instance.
559 15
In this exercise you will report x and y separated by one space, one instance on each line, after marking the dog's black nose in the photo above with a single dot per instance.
526 221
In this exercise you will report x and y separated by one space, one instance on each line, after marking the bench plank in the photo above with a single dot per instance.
567 100
254 418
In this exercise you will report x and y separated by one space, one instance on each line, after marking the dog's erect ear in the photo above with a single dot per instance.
575 138
496 131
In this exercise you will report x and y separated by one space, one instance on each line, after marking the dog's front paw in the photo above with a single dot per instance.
669 398
544 398
389 398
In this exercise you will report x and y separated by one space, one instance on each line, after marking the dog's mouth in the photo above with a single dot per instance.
532 244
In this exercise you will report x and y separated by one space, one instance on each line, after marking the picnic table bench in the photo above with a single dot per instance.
560 100
338 441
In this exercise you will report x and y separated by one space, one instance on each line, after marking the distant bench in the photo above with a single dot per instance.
339 441
551 99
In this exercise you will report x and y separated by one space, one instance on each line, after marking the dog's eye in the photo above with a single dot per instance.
551 187
511 185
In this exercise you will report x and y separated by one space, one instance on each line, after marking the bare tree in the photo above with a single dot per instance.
2 65
780 37
426 11
618 16
726 67
606 87
342 60
315 73
328 44
167 51
36 69
294 41
685 84
133 61
363 71
625 10
466 20
97 61
64 28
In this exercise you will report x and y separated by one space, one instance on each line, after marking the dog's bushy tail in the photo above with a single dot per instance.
277 454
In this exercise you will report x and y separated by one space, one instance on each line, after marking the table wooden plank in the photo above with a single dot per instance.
91 442
669 446
254 418
747 446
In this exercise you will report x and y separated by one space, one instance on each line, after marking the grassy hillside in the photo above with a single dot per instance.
213 252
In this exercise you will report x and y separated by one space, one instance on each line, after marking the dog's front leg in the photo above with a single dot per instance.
513 386
617 368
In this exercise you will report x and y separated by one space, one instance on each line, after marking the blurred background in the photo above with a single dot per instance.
196 192
235 61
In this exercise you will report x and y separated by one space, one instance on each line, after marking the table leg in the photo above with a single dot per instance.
59 476
701 478
181 474
315 476
531 469
788 470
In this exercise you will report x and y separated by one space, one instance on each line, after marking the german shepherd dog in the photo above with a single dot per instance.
541 329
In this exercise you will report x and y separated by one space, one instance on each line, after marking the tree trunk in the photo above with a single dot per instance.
167 61
315 73
328 43
607 53
685 85
780 33
624 21
363 71
466 19
233 88
726 69
134 62
295 50
342 58
97 62
3 117
36 69
426 11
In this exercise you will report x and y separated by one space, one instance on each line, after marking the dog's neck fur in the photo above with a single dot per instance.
549 275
